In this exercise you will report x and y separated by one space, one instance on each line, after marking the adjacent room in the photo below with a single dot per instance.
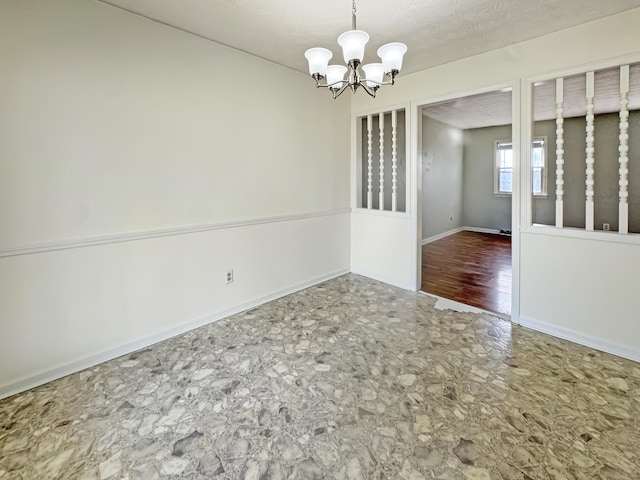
467 166
213 219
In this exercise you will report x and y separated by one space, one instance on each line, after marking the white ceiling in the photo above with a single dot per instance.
494 108
436 31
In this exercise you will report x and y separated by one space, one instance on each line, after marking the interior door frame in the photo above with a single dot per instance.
517 133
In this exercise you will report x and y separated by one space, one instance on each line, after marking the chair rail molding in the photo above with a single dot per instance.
90 241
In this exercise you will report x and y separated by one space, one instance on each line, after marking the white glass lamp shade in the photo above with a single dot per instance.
318 60
391 55
335 73
352 43
373 72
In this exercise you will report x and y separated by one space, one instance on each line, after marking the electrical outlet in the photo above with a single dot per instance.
228 277
606 227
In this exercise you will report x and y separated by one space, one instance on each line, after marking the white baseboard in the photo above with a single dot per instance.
482 230
441 235
580 338
129 347
383 279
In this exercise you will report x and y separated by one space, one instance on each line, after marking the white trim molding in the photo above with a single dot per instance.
440 236
596 235
493 231
66 244
580 338
381 213
383 279
75 366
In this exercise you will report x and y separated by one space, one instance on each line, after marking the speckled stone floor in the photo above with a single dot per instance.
350 379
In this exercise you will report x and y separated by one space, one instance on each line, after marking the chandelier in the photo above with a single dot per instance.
352 43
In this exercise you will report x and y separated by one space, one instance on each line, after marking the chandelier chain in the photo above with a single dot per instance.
353 15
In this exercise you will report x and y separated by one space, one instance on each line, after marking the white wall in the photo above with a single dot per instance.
375 232
583 290
442 178
112 124
377 248
594 42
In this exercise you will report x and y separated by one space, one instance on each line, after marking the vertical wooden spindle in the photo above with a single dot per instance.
370 161
381 195
560 152
394 161
623 149
589 153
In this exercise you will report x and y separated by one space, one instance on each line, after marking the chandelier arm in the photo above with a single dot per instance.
341 91
378 84
371 92
392 74
338 84
333 85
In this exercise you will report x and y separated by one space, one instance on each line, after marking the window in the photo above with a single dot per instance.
503 183
538 163
504 168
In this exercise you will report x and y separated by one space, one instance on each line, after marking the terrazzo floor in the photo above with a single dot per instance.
351 379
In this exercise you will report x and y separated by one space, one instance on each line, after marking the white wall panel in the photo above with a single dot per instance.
583 290
379 249
112 124
69 309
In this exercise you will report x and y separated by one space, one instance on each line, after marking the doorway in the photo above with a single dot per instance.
467 184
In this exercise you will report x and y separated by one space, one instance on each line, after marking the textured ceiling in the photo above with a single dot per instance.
494 108
436 31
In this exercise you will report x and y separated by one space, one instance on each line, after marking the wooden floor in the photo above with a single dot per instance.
471 268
